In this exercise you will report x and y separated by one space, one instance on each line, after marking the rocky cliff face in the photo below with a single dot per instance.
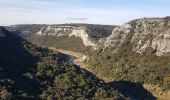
142 34
90 37
55 30
82 32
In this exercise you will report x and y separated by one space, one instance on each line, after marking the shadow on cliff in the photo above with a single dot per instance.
135 91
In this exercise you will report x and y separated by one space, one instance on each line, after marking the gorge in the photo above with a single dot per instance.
134 56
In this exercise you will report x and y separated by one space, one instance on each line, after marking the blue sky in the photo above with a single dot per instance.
112 12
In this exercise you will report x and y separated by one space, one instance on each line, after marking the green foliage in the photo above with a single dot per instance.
128 65
63 42
30 72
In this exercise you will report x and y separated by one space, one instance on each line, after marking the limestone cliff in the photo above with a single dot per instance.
142 34
55 30
89 36
81 32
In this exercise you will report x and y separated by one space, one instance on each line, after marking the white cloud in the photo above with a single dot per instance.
56 13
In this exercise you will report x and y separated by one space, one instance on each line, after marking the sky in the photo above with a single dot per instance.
110 12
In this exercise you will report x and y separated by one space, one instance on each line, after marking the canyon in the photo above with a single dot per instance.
136 52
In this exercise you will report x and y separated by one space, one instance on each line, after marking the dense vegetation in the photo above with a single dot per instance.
63 42
31 72
127 65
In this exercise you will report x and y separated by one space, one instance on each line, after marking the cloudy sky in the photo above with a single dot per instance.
113 12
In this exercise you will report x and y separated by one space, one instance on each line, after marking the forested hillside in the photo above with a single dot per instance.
31 72
137 51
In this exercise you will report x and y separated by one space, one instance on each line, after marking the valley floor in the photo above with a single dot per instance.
76 57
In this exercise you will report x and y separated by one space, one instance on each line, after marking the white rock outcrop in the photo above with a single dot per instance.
54 30
79 32
143 33
118 35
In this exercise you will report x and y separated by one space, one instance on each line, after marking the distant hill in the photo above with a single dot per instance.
77 37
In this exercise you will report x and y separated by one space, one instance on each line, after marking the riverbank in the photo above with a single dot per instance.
76 57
